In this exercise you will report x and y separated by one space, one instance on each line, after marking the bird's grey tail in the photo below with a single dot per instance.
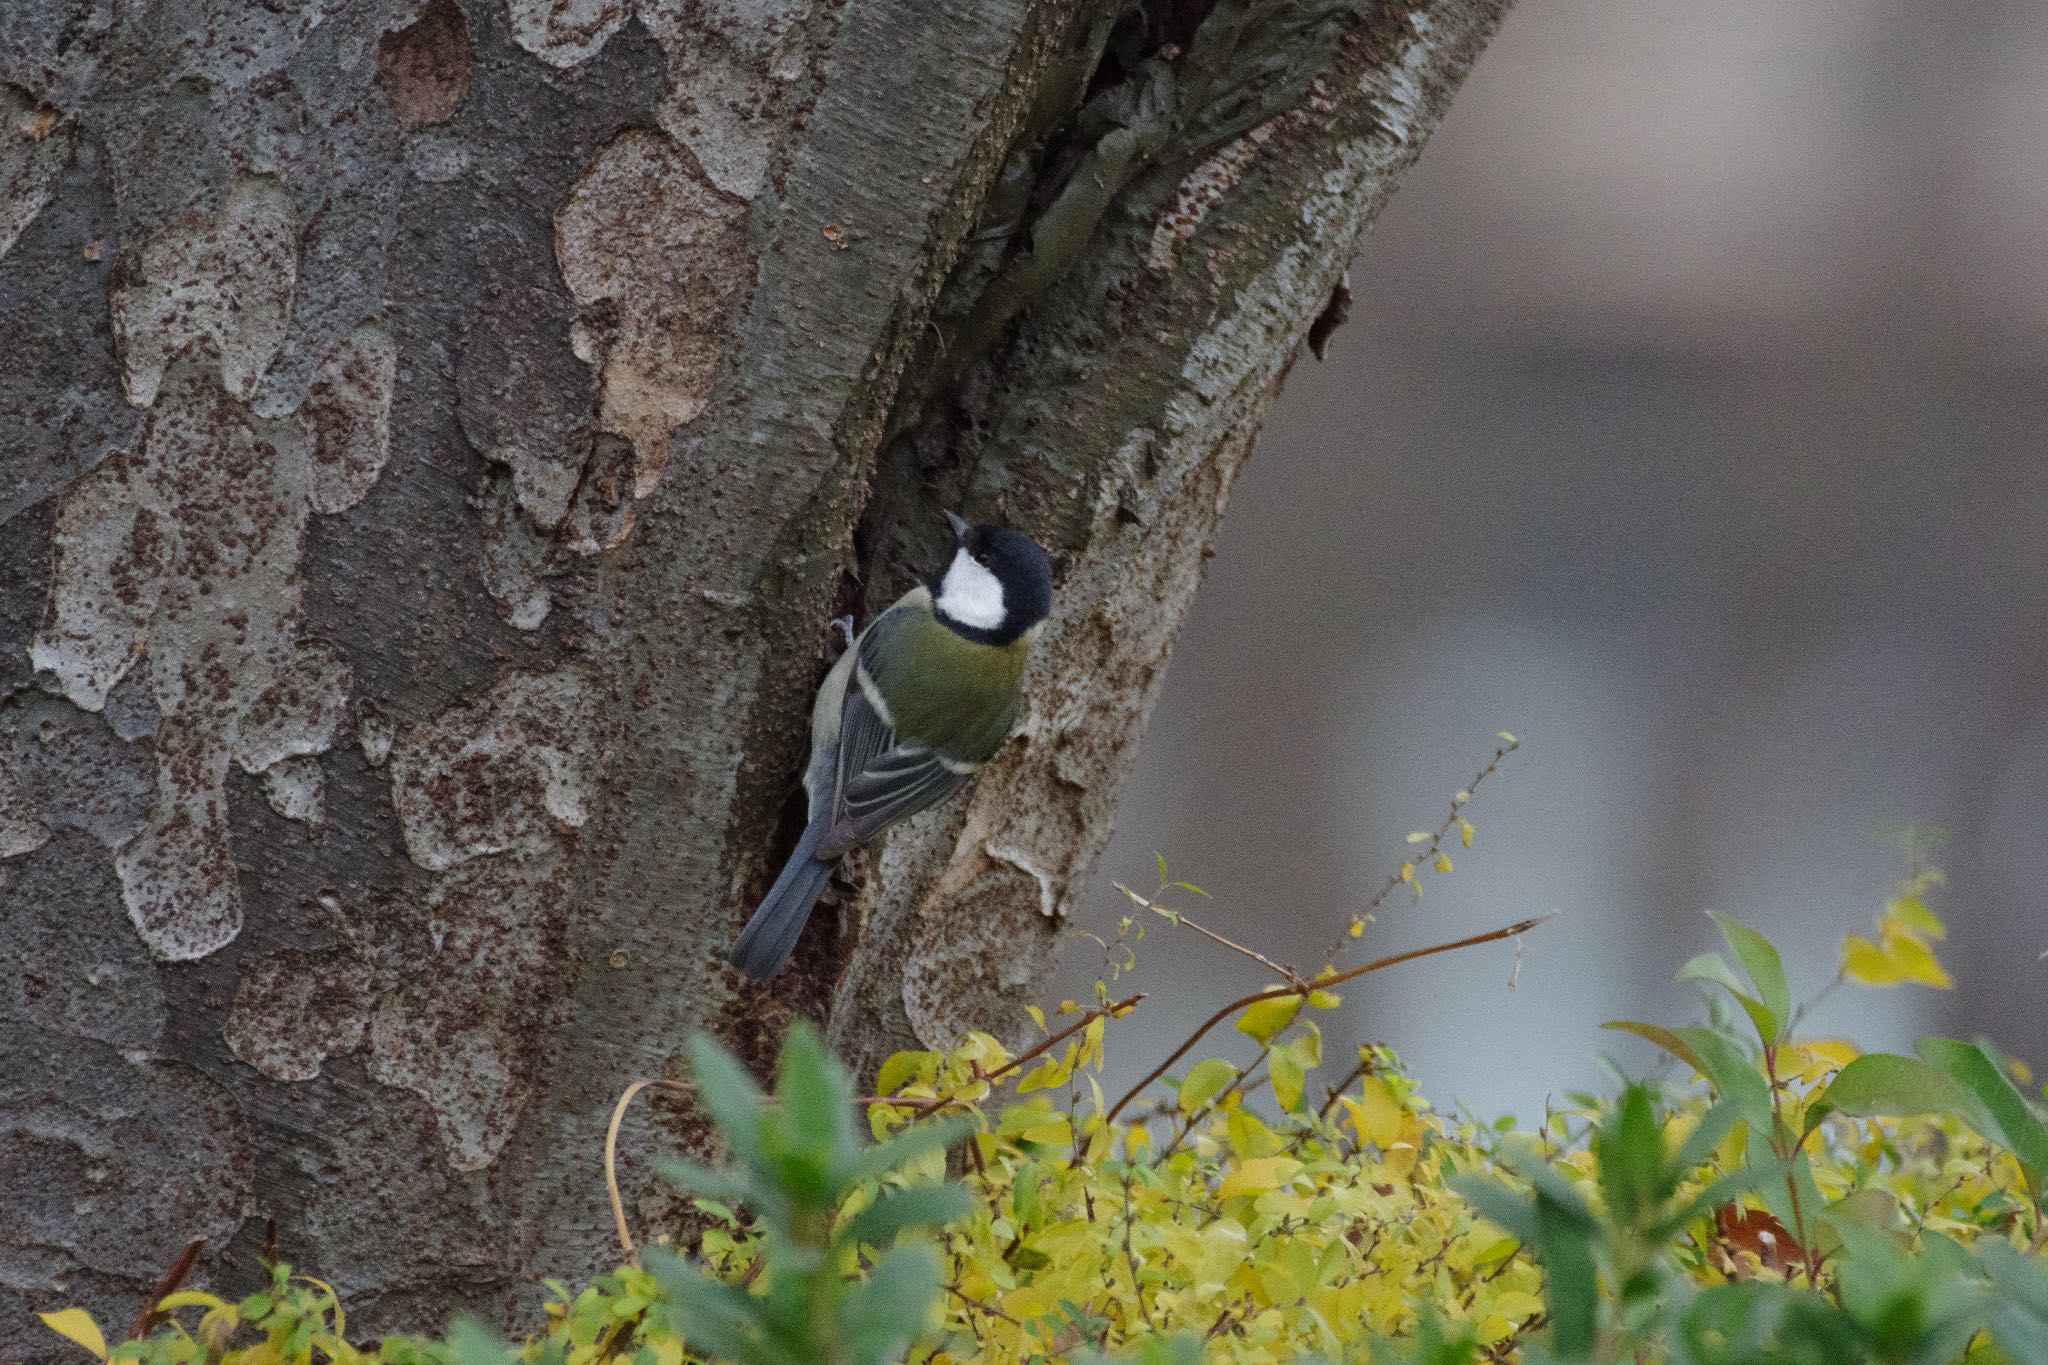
770 936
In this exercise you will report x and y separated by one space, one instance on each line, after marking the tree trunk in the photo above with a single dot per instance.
436 434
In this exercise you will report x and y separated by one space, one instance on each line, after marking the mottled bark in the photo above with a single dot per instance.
433 437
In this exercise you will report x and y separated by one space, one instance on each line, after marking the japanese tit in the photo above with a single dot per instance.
922 698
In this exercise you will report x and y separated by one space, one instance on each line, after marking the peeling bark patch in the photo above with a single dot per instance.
460 1035
35 144
110 555
349 410
20 831
425 65
492 794
224 278
566 32
295 1009
647 240
510 771
296 790
187 553
731 64
516 554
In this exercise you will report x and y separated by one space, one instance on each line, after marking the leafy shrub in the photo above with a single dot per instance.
1802 1203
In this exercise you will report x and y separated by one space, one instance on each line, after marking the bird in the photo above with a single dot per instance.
919 701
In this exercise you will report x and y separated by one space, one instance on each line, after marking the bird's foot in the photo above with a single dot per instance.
842 627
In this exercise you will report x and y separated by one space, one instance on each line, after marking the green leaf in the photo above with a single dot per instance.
696 1178
1704 1138
907 1146
1289 1080
711 1317
1571 1282
1713 967
1662 1037
816 1102
729 1094
1734 1077
1506 1209
920 1206
1630 1150
1977 1068
1888 1085
1206 1080
1759 957
881 1319
472 1343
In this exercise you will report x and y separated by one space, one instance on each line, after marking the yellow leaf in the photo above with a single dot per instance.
75 1324
1515 1303
1465 832
1206 1080
1375 1114
1289 1080
1249 1136
1420 836
1324 1000
899 1068
1357 926
1044 1076
1091 1044
193 1298
1492 1328
1037 1016
1268 1017
1258 1175
1912 912
1818 1056
1900 958
1407 872
1443 862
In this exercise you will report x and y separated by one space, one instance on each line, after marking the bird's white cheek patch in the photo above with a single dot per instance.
970 594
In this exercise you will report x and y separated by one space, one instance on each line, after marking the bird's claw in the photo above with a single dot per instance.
842 626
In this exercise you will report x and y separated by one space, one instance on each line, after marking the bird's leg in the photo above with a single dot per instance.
842 627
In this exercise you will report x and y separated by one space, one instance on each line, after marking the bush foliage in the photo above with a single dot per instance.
1782 1198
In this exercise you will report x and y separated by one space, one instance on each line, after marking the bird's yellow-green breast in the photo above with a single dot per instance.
955 696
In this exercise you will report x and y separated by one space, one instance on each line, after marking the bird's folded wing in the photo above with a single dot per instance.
881 781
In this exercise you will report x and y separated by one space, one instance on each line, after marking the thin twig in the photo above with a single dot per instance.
1429 850
923 1108
978 1306
1281 969
180 1267
611 1156
1321 983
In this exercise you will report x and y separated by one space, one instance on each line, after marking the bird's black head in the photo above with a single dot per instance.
997 585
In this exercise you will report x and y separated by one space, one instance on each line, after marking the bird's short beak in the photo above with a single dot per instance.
959 524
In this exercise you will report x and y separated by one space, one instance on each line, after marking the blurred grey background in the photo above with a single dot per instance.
1692 424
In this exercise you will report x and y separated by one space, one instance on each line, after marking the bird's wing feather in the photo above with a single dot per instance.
881 780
